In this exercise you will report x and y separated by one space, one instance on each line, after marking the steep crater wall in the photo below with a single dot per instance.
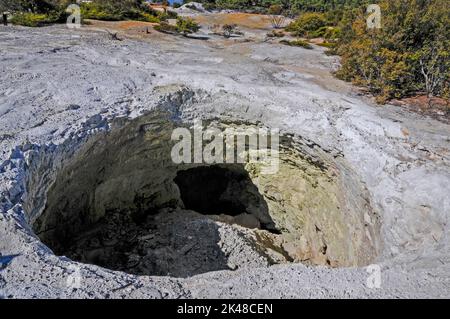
119 201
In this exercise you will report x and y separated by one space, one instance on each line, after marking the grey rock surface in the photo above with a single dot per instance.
59 84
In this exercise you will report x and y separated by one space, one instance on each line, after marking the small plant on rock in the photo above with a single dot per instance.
229 30
276 34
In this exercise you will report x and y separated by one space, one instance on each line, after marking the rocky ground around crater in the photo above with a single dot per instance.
59 84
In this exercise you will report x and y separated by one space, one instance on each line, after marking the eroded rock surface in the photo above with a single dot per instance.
371 183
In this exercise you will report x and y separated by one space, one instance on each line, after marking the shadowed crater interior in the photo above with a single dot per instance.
119 201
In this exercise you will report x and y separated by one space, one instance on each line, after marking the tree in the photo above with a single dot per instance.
434 66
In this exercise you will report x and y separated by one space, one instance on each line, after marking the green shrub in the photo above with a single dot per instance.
36 19
332 33
319 33
275 9
325 32
96 12
297 43
149 18
187 25
166 28
184 26
107 12
307 23
30 19
42 12
329 45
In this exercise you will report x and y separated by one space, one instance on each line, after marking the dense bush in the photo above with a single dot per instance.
119 10
327 32
325 5
41 12
35 13
37 19
307 23
408 55
96 12
184 26
30 6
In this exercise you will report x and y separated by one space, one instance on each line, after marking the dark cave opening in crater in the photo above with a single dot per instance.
204 190
225 190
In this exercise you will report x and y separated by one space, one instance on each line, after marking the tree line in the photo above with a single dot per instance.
289 7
